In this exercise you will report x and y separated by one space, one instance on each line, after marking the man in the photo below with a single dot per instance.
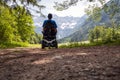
49 24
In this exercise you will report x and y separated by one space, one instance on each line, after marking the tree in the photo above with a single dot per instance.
91 35
68 3
96 33
7 24
24 3
24 25
104 34
112 10
35 38
16 26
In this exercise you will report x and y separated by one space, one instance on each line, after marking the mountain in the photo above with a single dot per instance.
66 25
82 34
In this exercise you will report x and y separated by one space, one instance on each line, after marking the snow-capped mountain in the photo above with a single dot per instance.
66 25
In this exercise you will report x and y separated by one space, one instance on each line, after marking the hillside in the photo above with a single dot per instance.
82 33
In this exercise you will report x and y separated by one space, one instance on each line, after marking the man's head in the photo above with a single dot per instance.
49 16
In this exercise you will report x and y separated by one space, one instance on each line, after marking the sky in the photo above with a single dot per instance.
75 11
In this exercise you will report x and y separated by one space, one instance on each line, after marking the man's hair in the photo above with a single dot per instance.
49 16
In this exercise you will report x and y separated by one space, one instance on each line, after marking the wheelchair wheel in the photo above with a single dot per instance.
43 46
56 44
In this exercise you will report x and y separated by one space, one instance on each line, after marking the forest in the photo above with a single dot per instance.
16 27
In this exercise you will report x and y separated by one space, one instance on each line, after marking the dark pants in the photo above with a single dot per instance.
53 32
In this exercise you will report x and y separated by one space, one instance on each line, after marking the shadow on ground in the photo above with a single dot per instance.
93 63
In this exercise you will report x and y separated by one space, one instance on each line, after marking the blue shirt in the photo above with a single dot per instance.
52 21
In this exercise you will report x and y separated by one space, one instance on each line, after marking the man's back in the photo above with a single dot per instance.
51 21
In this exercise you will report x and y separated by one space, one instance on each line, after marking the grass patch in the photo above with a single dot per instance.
113 43
12 44
18 44
87 44
73 45
62 45
34 45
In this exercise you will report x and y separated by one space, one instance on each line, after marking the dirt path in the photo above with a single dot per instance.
93 63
